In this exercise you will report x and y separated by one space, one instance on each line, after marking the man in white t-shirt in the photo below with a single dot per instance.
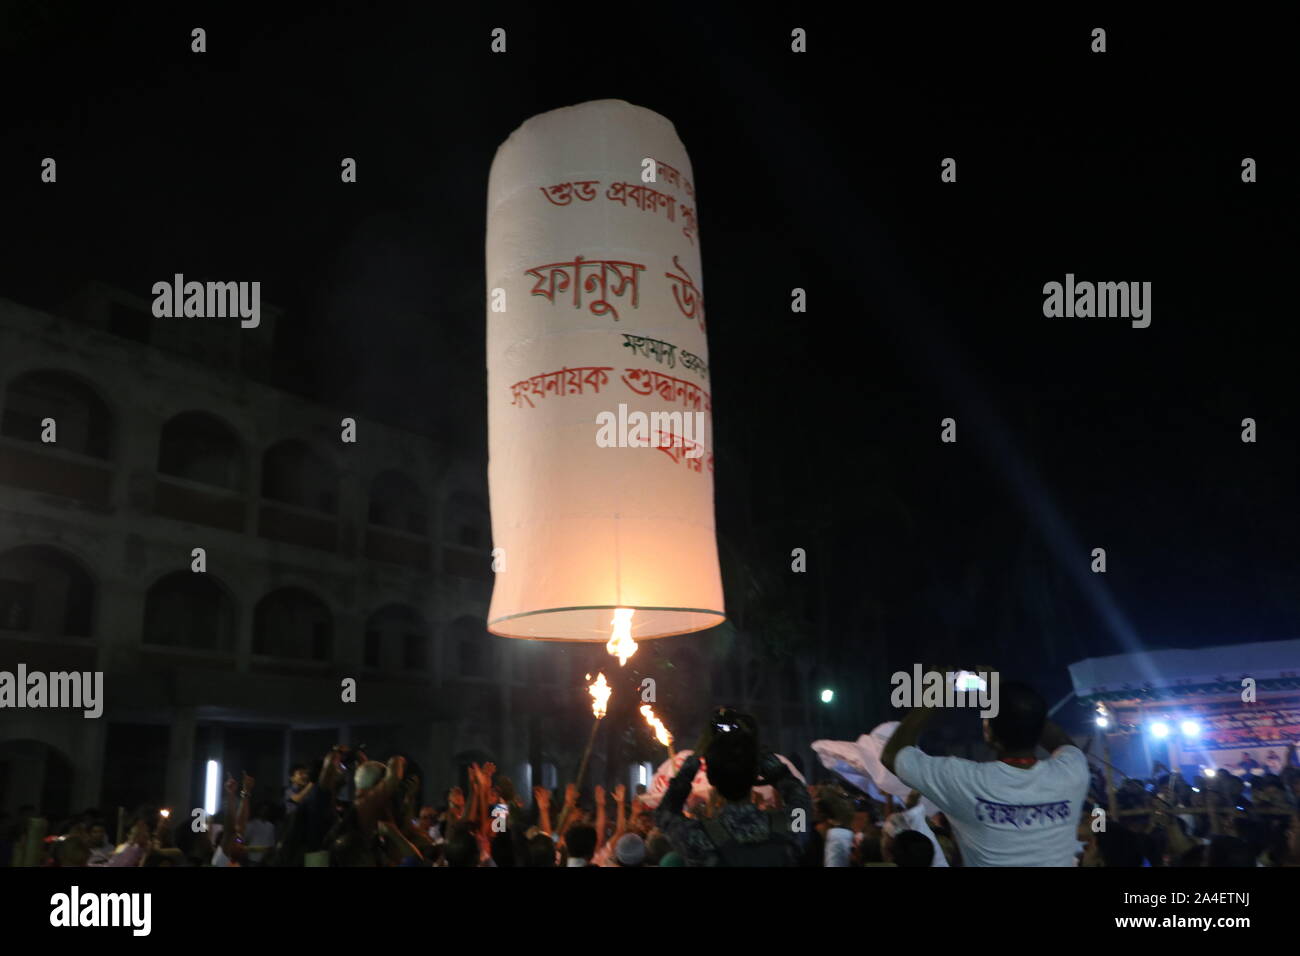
1016 810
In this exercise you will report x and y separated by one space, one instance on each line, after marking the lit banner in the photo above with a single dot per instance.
1241 738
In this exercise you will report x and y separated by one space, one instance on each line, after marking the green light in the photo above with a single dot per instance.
828 696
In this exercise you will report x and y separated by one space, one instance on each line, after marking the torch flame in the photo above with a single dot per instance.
661 732
599 691
620 643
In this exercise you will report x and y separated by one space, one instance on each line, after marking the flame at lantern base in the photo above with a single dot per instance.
620 643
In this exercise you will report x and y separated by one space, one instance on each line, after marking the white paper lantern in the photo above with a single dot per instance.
598 275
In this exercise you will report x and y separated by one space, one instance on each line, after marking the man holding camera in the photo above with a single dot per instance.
1016 810
738 833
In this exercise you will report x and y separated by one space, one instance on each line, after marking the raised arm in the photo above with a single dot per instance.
455 807
487 774
542 797
794 794
245 803
476 806
620 823
330 773
668 816
907 735
570 803
376 804
231 816
396 845
301 795
1053 738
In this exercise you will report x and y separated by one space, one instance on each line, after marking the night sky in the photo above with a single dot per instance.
818 171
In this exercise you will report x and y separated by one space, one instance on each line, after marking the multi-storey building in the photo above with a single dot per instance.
325 560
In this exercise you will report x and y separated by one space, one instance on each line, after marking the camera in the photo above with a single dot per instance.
726 720
348 758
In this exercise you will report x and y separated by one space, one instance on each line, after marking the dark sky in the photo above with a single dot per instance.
819 171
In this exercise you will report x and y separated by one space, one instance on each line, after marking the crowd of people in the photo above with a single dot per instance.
1016 810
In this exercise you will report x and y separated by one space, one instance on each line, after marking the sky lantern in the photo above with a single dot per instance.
600 458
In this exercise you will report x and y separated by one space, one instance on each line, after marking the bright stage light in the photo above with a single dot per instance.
1210 771
1102 721
1191 728
210 787
828 696
1160 730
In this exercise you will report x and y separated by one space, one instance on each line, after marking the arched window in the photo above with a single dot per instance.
397 639
198 447
83 423
469 648
45 592
294 474
466 522
293 624
396 502
189 610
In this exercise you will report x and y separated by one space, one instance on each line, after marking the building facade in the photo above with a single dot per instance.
323 560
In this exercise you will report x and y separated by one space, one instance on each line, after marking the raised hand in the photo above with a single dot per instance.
408 790
771 768
689 768
570 794
620 794
330 770
397 766
541 796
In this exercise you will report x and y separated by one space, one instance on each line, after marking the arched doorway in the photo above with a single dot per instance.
34 773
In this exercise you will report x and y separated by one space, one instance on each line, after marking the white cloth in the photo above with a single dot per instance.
914 819
1004 815
838 846
844 758
858 762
